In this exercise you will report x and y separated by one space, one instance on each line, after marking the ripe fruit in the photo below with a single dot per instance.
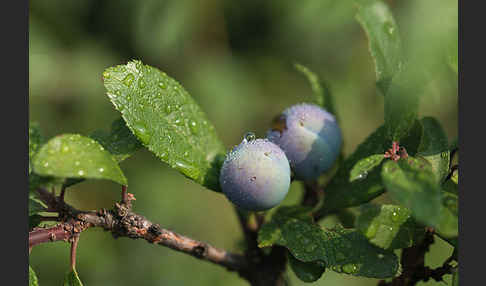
255 175
310 137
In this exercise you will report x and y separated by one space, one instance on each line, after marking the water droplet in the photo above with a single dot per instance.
46 164
249 136
168 109
193 127
80 172
141 83
101 170
162 85
128 79
362 176
163 156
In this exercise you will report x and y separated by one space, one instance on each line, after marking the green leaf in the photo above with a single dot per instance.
72 279
32 277
389 226
377 21
413 184
434 147
35 141
344 250
401 104
165 118
448 226
364 166
76 156
306 271
322 94
120 142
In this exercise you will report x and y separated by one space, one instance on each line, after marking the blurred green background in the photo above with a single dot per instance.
236 59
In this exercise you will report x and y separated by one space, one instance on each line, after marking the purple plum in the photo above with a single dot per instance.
310 137
255 175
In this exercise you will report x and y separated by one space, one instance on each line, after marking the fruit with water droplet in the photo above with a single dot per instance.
252 180
310 137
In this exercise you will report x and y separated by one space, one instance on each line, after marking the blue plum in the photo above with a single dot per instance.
255 175
310 137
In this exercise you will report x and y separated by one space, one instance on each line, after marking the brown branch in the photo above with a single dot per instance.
122 222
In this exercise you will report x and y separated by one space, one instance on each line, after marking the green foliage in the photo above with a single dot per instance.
434 147
377 21
343 250
32 277
120 142
341 192
361 169
389 226
413 184
321 92
165 118
76 156
306 271
72 279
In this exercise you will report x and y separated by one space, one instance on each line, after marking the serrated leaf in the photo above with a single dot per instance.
72 279
165 118
361 169
120 142
35 141
306 271
434 147
322 94
76 156
413 184
377 21
32 277
389 226
344 250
